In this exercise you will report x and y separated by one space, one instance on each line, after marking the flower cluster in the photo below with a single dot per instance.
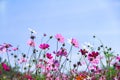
61 63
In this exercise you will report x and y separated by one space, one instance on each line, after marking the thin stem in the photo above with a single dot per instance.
66 58
8 58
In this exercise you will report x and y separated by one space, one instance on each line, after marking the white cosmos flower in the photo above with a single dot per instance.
88 44
85 47
69 41
31 30
88 78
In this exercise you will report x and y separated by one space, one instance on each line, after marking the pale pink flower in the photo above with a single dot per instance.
15 49
3 50
39 66
102 78
75 43
5 47
31 43
115 78
118 58
60 38
57 78
93 68
95 61
22 60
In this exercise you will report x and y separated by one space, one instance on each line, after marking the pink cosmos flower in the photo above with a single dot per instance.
92 68
49 56
31 43
117 66
15 49
22 60
29 77
5 67
44 46
5 47
118 58
52 65
103 77
95 61
61 52
3 50
39 65
60 38
75 43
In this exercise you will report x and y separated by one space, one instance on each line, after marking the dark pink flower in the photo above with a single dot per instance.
31 43
29 77
117 66
44 46
5 67
6 45
49 56
83 51
93 54
60 38
74 42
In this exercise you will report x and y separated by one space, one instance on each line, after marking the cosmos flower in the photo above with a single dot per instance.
118 58
74 42
88 44
31 43
28 77
32 31
5 47
117 66
22 60
60 38
44 46
5 67
49 56
15 49
83 51
62 52
93 54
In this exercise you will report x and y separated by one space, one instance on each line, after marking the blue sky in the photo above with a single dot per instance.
72 18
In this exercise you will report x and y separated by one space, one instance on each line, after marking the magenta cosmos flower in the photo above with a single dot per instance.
49 56
60 38
75 43
44 46
83 51
5 67
93 54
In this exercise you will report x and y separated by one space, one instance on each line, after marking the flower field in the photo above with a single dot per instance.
43 61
